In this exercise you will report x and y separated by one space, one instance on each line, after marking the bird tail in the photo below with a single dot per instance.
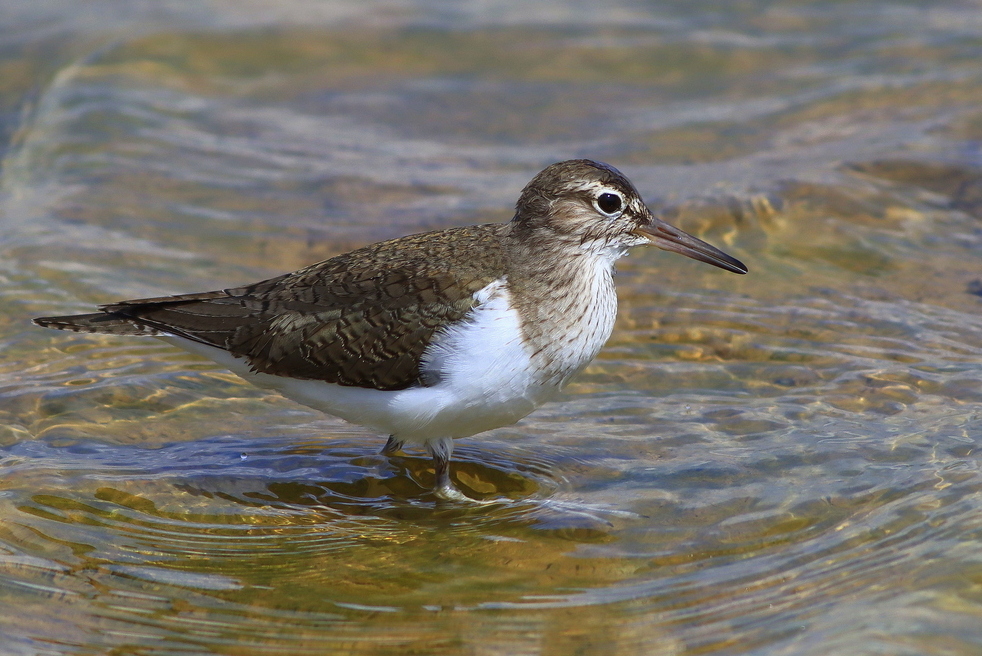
98 322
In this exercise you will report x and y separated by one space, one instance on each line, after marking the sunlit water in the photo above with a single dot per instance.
779 463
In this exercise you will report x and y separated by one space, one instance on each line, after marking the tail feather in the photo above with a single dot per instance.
98 322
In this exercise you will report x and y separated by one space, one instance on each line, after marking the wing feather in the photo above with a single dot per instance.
360 319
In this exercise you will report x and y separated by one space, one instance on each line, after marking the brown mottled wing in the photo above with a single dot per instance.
361 319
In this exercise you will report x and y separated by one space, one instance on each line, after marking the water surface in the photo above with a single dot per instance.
778 463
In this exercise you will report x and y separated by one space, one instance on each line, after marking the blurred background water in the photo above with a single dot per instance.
779 463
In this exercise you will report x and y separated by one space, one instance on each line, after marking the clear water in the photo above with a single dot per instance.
779 463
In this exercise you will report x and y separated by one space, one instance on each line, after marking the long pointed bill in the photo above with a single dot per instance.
669 238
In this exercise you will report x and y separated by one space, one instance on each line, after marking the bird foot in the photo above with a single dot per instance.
452 494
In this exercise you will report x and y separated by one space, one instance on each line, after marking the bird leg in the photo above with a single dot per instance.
392 446
441 449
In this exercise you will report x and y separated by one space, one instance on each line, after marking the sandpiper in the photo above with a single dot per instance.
433 336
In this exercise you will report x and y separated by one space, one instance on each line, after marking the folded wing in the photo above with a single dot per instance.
361 319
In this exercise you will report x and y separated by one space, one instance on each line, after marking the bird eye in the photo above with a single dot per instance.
609 203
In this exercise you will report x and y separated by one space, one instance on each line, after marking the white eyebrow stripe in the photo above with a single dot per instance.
598 186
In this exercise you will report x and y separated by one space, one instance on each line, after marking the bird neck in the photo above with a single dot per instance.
562 288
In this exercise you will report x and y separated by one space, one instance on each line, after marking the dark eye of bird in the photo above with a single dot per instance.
609 203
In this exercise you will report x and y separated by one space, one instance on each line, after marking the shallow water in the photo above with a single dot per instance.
778 463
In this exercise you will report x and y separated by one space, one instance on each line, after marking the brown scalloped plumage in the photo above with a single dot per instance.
361 319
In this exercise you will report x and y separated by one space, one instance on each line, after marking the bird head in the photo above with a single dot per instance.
594 205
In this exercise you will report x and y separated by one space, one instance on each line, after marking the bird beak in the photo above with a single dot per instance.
669 238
